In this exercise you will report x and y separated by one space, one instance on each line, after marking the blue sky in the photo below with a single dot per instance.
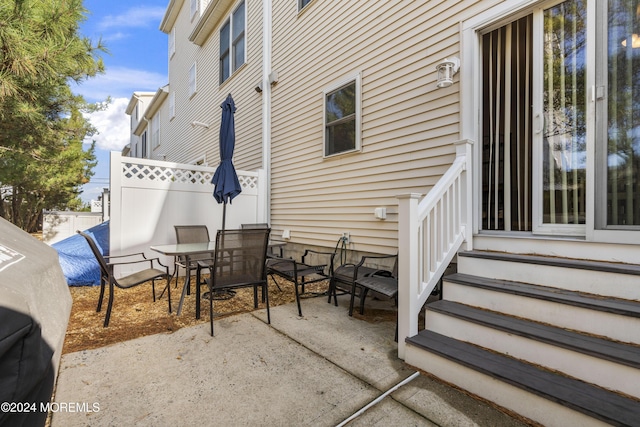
136 61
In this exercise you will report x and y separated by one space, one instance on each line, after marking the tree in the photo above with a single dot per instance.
42 163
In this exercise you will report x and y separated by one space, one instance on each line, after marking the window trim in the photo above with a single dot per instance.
230 52
354 78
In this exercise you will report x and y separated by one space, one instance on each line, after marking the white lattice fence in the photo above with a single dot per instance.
149 197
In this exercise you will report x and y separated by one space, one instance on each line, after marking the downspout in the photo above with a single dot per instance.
266 104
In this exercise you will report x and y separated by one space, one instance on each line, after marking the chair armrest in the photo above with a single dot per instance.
108 257
330 256
379 271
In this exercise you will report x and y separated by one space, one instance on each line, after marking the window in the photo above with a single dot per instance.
172 42
556 118
232 43
155 132
144 144
172 105
303 3
342 117
194 7
192 80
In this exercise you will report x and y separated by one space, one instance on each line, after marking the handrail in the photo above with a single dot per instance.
431 232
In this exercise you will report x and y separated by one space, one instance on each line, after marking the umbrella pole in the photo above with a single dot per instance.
219 294
224 215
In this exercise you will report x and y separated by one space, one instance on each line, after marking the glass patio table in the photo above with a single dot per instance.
186 251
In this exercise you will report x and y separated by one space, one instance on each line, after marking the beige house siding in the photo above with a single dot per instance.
408 125
186 143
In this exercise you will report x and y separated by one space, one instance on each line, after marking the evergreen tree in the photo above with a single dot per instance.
42 162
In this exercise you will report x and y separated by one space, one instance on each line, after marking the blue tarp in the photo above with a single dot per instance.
78 264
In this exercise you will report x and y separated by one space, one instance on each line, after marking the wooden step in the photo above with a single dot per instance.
579 396
613 318
601 348
595 277
610 364
581 264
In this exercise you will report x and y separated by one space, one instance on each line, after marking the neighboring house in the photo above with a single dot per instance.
148 116
139 144
338 102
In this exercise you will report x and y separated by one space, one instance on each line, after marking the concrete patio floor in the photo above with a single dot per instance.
317 370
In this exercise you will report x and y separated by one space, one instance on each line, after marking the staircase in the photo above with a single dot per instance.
556 340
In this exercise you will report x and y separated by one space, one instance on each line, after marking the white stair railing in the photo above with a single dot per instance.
430 233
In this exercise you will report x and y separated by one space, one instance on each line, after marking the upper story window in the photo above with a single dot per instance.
172 42
232 42
192 80
303 3
342 117
143 144
155 132
172 105
195 5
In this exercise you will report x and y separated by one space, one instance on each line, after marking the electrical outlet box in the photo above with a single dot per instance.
346 238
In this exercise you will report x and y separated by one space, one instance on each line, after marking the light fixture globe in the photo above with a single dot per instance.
446 70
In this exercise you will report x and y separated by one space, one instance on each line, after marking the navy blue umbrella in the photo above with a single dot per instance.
225 178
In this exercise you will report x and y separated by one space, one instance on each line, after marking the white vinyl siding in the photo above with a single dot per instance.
180 141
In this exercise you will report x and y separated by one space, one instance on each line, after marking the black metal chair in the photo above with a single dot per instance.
314 266
239 261
129 281
193 234
346 277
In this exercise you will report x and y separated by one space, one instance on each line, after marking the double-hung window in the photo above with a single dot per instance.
342 117
303 3
193 80
232 42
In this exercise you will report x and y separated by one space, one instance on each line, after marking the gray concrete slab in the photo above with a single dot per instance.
317 370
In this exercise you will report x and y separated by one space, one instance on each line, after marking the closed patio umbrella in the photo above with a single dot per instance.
225 179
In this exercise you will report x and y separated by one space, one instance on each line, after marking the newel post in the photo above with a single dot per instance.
464 148
408 268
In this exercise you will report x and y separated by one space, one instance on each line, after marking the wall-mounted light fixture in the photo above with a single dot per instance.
201 124
635 41
446 70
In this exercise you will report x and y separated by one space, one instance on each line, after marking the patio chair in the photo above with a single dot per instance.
314 266
193 234
239 261
346 277
106 274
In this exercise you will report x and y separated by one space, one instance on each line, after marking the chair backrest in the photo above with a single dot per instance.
104 268
191 233
254 226
240 256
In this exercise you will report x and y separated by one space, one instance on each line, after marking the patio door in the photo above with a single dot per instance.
534 133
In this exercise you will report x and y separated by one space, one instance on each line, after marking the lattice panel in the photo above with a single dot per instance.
185 176
248 181
165 174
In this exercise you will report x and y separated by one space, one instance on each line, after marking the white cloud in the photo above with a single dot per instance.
119 82
113 126
139 17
